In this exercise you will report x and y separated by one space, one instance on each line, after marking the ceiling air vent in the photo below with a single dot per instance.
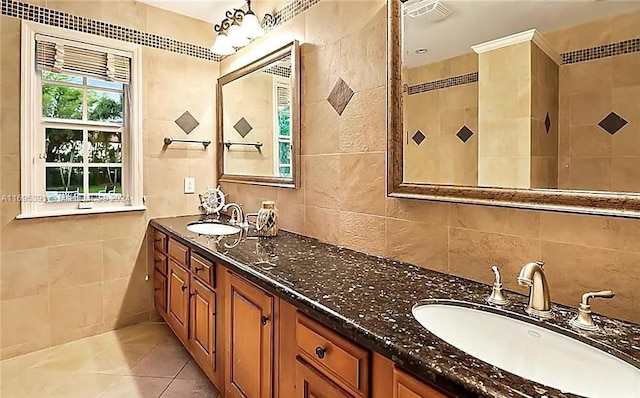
431 10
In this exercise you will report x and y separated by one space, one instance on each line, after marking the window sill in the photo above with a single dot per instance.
77 212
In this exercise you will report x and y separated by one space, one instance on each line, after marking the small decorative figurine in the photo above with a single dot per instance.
267 220
212 201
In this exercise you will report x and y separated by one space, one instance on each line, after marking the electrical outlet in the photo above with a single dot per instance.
189 185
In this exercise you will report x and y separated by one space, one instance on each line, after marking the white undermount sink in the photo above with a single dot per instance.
209 228
530 351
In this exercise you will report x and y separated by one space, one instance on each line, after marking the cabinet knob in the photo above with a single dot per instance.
198 269
157 261
320 352
156 289
265 319
192 294
184 288
157 240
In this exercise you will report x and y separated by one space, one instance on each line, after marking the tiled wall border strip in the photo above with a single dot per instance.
291 10
444 83
606 50
571 57
47 16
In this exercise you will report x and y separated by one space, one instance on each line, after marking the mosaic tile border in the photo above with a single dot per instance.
279 70
47 16
443 83
604 51
290 11
571 57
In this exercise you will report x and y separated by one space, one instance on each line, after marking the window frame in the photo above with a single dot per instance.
279 81
32 124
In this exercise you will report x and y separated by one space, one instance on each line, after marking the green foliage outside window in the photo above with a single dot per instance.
65 145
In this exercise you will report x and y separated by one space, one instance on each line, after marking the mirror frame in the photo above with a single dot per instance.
291 49
587 202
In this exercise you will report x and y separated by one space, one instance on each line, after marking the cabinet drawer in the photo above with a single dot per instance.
336 357
160 262
179 252
204 270
159 241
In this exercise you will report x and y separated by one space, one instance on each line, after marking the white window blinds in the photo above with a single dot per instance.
283 95
65 56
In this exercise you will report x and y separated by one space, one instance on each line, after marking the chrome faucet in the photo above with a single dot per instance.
532 275
237 216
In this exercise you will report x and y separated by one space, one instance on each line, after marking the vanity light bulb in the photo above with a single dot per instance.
236 36
251 26
222 45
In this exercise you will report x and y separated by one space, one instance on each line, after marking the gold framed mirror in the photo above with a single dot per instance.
538 109
258 120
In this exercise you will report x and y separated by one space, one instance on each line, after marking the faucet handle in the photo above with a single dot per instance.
496 271
497 296
602 294
583 319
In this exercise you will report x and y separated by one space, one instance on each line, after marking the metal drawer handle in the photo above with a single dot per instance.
321 352
184 288
265 319
159 261
157 289
198 269
158 240
191 294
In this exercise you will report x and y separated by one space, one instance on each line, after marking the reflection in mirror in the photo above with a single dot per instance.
522 94
258 121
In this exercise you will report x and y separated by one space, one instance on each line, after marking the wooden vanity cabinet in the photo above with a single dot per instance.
252 344
312 384
160 292
178 301
249 340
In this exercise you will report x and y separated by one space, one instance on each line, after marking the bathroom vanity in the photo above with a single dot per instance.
293 317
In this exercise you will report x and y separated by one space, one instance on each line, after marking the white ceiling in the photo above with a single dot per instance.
207 10
475 22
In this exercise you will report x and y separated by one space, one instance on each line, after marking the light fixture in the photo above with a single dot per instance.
222 44
238 29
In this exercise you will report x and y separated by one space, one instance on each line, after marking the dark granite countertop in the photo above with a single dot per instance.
369 299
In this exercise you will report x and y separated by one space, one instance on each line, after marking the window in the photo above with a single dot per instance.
81 128
282 123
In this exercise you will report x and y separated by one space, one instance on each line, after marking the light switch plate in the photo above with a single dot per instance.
189 185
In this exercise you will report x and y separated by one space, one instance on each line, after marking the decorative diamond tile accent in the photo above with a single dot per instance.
187 122
612 123
340 96
547 123
464 134
418 137
243 127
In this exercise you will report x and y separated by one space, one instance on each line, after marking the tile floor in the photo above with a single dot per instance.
141 361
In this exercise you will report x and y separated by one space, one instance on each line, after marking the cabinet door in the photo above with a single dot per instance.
160 292
249 340
405 386
203 325
178 308
311 384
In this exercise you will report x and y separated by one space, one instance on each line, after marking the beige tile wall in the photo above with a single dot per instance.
589 157
70 277
250 97
504 117
342 199
545 78
442 158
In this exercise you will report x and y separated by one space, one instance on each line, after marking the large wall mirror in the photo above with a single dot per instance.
259 121
519 103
